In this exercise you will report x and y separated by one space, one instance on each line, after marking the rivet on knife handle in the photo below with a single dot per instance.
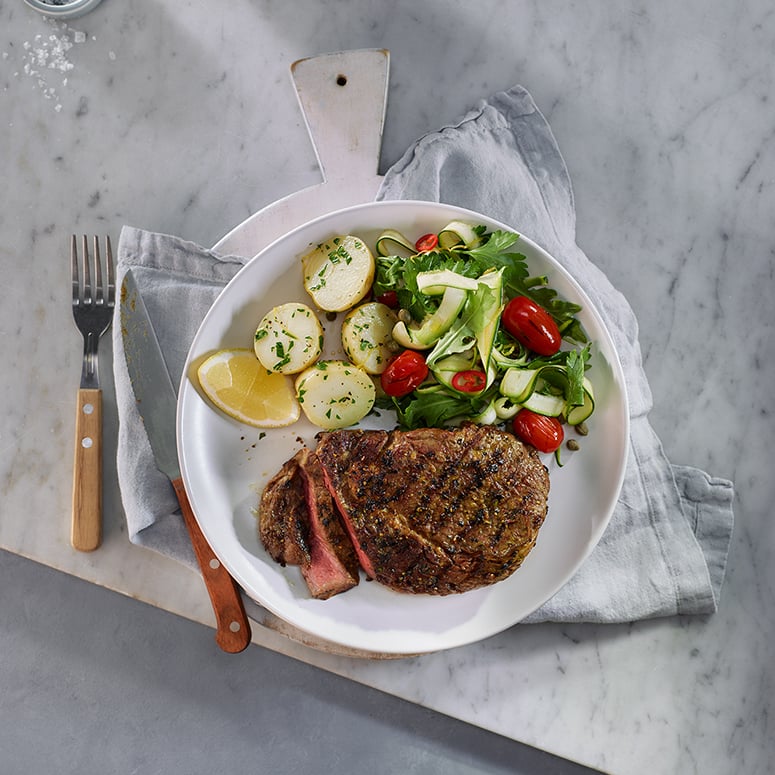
232 626
86 531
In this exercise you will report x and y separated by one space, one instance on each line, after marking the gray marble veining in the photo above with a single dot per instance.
180 118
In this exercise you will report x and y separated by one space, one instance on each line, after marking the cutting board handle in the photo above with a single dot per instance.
343 97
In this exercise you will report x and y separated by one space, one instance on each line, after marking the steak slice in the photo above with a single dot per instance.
333 565
283 524
437 511
298 524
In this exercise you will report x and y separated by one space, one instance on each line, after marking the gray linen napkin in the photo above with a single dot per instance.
665 550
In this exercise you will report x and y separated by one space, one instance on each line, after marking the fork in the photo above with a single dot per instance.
93 304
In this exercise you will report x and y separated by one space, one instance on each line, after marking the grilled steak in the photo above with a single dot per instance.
299 525
283 525
434 511
437 511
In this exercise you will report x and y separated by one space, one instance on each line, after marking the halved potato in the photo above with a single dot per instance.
367 337
288 339
338 273
335 394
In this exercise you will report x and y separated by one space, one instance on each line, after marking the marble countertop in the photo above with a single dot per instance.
179 118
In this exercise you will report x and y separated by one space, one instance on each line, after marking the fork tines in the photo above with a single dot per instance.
84 292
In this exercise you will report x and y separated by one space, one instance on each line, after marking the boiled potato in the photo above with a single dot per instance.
338 273
335 394
288 339
367 336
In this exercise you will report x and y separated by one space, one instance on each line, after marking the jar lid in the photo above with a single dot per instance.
63 9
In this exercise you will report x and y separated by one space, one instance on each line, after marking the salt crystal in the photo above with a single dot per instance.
49 52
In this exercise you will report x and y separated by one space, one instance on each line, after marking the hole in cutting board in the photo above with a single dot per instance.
341 80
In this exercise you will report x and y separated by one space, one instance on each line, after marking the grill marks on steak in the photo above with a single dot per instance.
438 511
299 525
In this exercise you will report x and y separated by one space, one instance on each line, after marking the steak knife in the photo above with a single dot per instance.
157 402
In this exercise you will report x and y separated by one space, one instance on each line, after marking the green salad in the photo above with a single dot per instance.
482 339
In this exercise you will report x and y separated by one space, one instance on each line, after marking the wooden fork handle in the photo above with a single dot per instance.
86 533
232 626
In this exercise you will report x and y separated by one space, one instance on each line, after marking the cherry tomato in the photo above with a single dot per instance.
544 433
426 242
531 325
389 299
404 373
471 381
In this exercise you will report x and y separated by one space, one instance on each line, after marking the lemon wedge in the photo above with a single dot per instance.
237 383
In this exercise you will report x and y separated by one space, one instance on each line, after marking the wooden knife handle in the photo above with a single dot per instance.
86 529
233 629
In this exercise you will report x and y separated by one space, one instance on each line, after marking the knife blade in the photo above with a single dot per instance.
157 402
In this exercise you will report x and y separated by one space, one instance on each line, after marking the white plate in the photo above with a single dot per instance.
225 465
